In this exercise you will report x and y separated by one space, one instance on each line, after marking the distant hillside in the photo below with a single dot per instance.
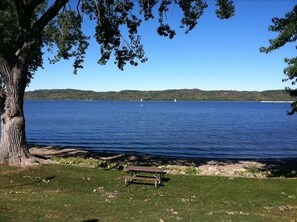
182 94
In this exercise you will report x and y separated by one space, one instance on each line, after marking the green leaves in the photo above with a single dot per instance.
225 9
287 29
12 39
192 11
65 32
8 28
112 18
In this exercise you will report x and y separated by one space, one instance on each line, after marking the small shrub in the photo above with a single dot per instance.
94 163
192 170
253 169
182 169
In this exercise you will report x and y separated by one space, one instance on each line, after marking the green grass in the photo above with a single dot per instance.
72 193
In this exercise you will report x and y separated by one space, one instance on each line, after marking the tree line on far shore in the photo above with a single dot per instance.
167 95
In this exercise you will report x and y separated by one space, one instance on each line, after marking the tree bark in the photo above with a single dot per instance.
13 146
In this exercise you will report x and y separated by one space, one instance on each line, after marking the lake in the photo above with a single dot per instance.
236 130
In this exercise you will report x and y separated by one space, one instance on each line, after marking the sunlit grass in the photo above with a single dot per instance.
72 193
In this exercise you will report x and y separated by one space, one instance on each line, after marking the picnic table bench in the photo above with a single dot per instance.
140 173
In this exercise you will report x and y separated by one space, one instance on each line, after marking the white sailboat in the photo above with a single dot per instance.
141 102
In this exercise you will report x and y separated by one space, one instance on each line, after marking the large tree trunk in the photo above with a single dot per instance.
14 71
13 146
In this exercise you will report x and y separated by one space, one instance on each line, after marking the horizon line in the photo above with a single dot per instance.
238 90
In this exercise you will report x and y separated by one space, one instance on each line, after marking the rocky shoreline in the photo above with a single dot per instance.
210 167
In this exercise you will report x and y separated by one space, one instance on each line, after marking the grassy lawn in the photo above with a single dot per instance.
71 193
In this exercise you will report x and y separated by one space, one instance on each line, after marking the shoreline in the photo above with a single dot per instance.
255 168
56 150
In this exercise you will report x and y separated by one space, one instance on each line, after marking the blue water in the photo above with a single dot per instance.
181 129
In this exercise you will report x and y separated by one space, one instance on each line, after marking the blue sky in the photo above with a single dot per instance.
216 55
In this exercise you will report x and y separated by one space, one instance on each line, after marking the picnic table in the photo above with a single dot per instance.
141 173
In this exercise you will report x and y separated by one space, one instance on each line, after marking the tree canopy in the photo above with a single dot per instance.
59 27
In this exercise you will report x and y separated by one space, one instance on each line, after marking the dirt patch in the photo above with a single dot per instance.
240 168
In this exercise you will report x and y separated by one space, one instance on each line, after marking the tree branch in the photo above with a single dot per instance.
47 17
21 12
25 10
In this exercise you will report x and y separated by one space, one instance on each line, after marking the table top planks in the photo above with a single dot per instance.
145 169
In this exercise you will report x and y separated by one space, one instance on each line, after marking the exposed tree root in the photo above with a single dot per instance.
27 160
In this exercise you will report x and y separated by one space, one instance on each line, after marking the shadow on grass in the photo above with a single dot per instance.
92 220
144 183
164 180
281 168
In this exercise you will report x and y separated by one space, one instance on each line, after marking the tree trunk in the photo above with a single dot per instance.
13 146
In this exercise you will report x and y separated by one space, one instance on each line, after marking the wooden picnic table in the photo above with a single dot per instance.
141 173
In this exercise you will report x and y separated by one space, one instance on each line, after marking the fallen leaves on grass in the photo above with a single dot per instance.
287 207
106 194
